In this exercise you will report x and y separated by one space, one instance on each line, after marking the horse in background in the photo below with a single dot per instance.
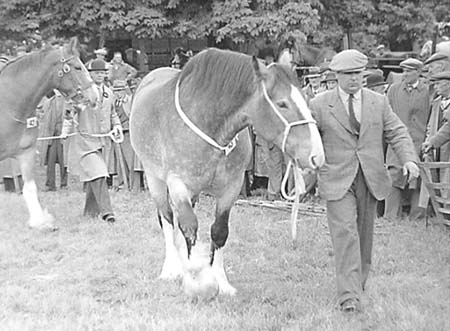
187 128
305 56
24 81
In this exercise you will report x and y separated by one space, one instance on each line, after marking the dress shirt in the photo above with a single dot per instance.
356 102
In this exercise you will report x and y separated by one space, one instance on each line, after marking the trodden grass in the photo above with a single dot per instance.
90 275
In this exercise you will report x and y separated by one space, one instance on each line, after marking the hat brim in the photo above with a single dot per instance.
376 84
351 71
403 66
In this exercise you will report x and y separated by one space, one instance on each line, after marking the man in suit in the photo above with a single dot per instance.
354 122
409 99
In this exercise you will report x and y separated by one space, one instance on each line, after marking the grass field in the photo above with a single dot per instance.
90 275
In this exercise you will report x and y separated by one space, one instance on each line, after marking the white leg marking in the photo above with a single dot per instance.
219 274
172 267
39 219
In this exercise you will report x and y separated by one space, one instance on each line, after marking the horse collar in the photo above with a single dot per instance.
226 149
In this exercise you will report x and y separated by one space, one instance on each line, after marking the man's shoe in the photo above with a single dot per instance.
351 306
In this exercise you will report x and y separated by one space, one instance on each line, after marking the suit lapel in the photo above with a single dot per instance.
337 109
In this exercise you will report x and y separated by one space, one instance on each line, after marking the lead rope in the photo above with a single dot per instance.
299 190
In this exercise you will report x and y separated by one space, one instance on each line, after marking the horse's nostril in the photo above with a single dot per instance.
314 162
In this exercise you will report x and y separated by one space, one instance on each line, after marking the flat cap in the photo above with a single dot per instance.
436 57
101 51
443 75
349 60
412 64
313 72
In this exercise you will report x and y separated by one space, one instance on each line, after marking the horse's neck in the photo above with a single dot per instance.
30 84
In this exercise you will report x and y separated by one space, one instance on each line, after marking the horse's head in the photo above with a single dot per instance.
72 78
283 116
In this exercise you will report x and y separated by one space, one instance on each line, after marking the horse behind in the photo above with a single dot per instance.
305 55
187 128
24 81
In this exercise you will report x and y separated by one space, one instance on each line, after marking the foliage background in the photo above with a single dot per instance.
401 24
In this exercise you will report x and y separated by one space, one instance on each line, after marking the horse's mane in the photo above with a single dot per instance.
17 64
223 79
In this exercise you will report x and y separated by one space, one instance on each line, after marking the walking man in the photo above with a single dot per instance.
87 149
354 122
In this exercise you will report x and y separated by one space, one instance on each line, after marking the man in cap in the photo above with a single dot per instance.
436 63
120 70
330 80
375 82
442 136
124 154
312 88
439 117
354 123
100 54
409 99
90 151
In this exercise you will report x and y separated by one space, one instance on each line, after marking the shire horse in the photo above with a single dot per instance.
24 81
187 128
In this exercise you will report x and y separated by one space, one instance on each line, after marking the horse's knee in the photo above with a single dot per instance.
219 230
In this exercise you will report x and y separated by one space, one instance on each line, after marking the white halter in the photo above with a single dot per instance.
226 149
232 144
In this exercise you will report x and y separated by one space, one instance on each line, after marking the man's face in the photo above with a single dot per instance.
410 76
331 84
442 87
350 82
98 76
268 60
315 81
117 58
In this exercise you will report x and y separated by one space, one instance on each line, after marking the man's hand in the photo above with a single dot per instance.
426 147
411 170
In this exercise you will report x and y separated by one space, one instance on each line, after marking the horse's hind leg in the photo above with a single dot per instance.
172 267
219 234
39 219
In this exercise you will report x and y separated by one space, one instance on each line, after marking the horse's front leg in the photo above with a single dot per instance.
198 278
219 233
39 218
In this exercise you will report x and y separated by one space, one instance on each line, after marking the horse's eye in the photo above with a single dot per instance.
77 68
282 104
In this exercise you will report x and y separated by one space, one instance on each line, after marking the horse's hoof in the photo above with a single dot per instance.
45 227
228 290
201 285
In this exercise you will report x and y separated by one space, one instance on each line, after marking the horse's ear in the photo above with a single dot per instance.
74 46
260 69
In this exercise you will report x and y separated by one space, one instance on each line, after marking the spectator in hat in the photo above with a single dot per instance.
436 63
312 87
54 151
90 155
376 83
120 70
435 144
330 80
100 54
124 153
409 100
354 122
267 54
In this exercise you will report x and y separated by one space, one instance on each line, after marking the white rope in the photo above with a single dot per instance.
94 135
299 190
226 149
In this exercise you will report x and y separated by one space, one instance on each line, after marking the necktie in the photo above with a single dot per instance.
353 121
